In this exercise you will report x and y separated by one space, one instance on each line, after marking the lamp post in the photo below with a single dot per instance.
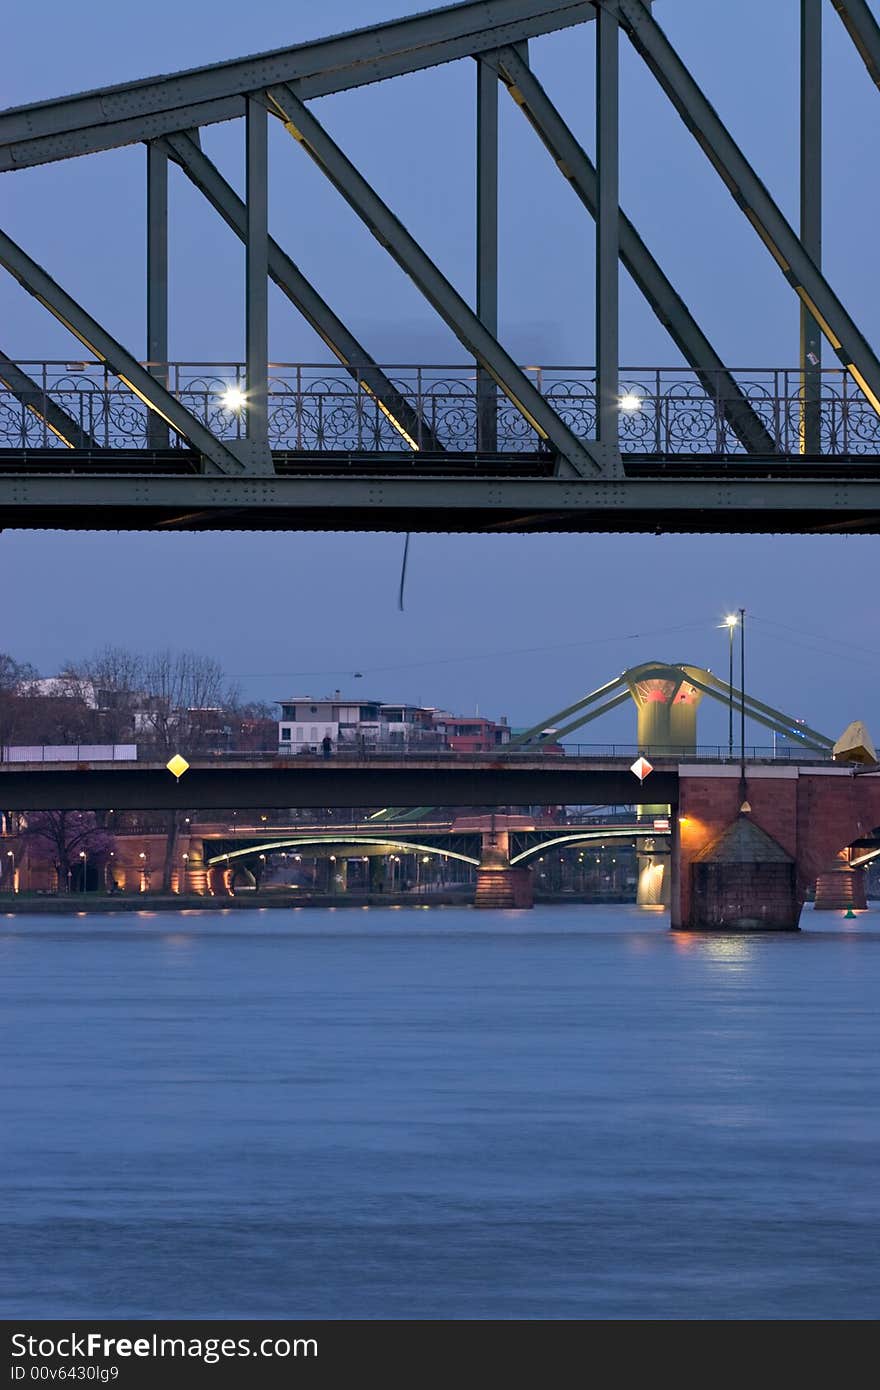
182 886
84 865
10 855
730 622
742 688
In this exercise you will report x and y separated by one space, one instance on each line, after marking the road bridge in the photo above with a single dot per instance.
748 840
122 436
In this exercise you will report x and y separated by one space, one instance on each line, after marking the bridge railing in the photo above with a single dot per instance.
393 752
320 408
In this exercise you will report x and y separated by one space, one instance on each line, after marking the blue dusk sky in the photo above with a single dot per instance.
510 624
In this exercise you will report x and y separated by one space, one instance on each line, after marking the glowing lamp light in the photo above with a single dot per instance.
630 401
233 398
731 620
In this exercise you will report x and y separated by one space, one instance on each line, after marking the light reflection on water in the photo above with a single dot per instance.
571 1112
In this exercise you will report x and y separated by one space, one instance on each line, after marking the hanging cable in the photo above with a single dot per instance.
403 572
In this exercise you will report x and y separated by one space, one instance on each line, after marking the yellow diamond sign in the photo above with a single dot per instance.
177 765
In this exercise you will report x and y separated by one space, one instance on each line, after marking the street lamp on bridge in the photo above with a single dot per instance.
730 622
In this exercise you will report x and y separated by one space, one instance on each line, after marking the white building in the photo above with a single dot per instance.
305 721
352 722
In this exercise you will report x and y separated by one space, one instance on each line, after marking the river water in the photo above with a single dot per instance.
374 1113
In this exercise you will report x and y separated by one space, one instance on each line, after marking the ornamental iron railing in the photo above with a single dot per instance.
317 409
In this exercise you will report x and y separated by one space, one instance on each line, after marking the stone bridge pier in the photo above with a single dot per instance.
499 885
746 851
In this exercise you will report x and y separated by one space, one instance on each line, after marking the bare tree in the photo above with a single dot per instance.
71 840
112 682
187 699
15 676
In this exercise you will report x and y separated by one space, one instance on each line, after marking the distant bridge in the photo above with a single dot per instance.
237 843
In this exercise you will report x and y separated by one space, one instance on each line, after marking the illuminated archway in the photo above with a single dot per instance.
330 842
631 832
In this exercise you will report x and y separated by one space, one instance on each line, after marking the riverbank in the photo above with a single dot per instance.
79 903
65 905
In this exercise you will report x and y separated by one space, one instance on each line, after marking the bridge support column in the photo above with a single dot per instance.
753 868
738 869
338 875
194 875
654 862
499 885
839 887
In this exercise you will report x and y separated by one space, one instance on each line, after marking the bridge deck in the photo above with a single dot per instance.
694 495
466 780
340 462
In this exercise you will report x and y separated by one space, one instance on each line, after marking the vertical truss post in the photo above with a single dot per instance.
157 284
752 197
811 216
487 244
257 281
607 224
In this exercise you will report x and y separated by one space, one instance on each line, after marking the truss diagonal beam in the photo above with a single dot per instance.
38 283
751 196
588 717
448 303
864 31
144 110
208 179
583 703
662 296
777 719
34 398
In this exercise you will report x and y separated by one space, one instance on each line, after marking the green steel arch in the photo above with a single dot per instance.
631 832
681 687
326 841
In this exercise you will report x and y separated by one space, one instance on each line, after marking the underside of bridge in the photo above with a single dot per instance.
126 438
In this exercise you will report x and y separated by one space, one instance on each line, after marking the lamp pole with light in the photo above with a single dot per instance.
742 687
730 623
10 855
84 866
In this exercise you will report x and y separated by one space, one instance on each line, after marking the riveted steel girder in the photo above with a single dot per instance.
750 194
37 282
32 396
789 503
130 112
576 166
205 176
581 456
864 31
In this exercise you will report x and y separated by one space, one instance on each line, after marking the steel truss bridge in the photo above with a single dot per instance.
126 438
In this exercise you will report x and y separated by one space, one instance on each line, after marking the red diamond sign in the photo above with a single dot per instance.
641 767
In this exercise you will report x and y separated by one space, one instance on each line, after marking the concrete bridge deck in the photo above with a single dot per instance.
222 783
